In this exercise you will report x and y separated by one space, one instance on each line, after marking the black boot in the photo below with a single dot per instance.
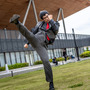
14 19
51 86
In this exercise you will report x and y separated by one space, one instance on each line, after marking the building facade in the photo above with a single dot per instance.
12 49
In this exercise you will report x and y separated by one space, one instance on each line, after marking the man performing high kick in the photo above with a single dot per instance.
40 37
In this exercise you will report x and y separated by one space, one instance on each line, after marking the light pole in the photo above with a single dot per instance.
75 45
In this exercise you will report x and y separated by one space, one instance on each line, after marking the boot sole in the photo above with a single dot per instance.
14 17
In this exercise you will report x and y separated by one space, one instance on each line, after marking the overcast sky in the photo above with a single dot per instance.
80 21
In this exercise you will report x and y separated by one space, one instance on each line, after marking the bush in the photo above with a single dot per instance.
68 58
37 62
2 68
60 59
50 60
40 62
85 54
57 59
18 65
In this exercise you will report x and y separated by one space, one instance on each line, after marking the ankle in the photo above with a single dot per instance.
51 82
16 22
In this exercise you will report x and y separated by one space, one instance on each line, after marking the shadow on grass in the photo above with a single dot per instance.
76 85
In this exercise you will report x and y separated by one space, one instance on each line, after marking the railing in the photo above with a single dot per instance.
9 41
14 34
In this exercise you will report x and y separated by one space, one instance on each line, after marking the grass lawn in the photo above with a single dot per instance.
72 76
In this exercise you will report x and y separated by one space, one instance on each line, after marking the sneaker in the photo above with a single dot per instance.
51 86
14 19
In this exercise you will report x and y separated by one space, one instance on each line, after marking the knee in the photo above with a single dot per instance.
46 62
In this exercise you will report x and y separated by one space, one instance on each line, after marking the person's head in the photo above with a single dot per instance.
44 15
54 57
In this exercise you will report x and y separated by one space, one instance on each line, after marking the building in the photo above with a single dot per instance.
11 41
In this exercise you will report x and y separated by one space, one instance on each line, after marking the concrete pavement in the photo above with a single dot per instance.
18 71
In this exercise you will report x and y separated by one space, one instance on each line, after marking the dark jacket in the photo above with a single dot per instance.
51 32
64 53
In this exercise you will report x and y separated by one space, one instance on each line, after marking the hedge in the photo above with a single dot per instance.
60 59
38 62
14 66
2 68
85 54
18 65
50 60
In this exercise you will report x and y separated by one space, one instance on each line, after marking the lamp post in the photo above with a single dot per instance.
75 45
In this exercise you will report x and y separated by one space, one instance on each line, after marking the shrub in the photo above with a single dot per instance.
50 60
37 62
68 58
2 68
59 59
85 54
18 65
40 62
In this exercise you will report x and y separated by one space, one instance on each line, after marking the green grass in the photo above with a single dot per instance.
72 76
76 85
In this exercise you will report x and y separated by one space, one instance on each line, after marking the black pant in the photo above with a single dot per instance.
65 58
56 63
37 42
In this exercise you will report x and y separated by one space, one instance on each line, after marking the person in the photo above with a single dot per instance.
40 37
55 61
65 54
71 55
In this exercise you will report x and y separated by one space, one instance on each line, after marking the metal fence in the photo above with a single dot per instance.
12 47
14 34
12 41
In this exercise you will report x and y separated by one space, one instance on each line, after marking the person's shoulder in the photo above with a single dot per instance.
57 23
39 23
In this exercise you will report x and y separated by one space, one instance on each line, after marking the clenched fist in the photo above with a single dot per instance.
26 46
50 17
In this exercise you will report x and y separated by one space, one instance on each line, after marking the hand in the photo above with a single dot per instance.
26 46
50 17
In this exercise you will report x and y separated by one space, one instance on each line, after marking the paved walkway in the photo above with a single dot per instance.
33 68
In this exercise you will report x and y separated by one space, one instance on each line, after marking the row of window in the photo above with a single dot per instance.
32 56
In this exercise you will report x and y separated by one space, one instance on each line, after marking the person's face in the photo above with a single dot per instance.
45 18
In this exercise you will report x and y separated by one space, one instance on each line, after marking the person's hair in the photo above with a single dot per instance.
42 13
